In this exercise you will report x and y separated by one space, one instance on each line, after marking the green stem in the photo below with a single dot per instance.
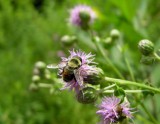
125 82
148 113
130 70
142 104
102 52
142 119
126 91
154 107
157 56
108 60
44 85
111 86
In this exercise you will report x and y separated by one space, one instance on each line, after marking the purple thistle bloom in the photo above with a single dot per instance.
76 83
72 85
113 111
86 58
75 14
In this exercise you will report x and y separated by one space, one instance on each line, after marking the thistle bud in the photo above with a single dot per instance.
40 65
107 40
96 39
146 47
35 79
85 19
115 34
87 95
47 74
68 40
33 87
94 77
36 71
147 60
82 16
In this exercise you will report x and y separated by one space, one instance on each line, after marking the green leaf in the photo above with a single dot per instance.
120 93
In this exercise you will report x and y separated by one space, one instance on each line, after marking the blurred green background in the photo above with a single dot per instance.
30 31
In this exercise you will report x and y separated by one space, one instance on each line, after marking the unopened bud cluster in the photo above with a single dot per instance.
113 37
40 73
146 48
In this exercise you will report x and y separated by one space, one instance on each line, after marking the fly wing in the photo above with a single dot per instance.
59 66
51 66
78 77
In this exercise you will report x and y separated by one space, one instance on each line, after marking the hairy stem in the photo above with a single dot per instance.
44 85
102 52
157 56
125 82
148 113
126 91
130 70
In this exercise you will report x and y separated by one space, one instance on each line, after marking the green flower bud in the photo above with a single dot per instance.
47 74
96 39
33 87
40 65
115 34
120 93
68 40
146 47
35 78
85 19
107 40
94 77
36 71
87 95
147 60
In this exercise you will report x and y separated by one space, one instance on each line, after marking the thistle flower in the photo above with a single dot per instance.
112 111
75 68
81 15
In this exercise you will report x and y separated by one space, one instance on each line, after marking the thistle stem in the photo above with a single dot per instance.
125 82
148 113
106 88
99 47
126 91
111 86
102 52
157 56
129 69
